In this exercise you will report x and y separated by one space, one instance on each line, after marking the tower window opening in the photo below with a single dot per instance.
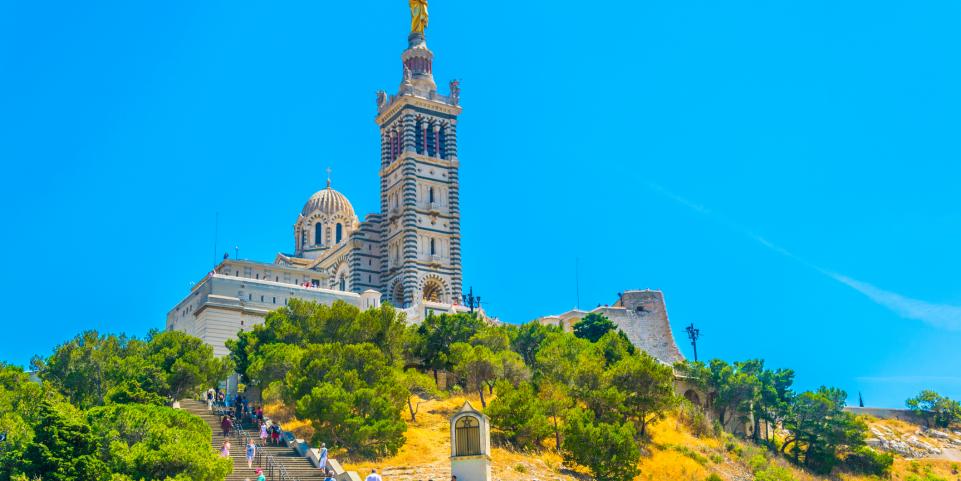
431 140
340 231
418 137
430 195
433 247
318 233
442 143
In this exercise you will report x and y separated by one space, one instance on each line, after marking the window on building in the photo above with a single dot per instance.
275 300
276 278
340 232
318 233
343 283
467 434
430 195
261 298
433 248
250 297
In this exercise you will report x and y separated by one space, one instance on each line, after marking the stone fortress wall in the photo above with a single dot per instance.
641 314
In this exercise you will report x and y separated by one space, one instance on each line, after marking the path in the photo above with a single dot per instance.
298 467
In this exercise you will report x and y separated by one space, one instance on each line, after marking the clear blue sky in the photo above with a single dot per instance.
786 172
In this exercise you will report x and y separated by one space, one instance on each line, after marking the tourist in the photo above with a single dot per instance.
322 464
210 399
373 476
251 450
260 475
226 424
225 448
328 475
263 433
275 434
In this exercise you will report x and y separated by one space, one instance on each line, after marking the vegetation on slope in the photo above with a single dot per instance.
98 414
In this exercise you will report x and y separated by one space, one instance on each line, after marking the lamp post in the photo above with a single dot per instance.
693 333
471 301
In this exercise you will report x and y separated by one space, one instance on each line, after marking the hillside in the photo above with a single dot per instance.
674 454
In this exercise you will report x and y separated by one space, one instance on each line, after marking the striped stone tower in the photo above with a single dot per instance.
420 209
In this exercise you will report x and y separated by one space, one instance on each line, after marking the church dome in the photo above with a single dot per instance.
328 202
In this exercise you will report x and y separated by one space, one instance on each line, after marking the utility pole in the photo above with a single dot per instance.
471 301
693 333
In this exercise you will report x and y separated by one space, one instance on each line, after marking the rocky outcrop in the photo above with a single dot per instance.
922 443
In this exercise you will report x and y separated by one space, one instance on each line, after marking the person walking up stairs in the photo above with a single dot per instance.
298 467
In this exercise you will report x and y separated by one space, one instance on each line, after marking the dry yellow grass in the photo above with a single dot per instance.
673 455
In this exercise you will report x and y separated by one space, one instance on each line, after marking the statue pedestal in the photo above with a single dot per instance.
415 39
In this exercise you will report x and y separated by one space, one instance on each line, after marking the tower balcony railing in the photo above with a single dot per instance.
435 206
437 258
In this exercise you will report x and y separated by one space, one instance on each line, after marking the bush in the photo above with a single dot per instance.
608 450
868 461
690 453
518 415
695 419
713 477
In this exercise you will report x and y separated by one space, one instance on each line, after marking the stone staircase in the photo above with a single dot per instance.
298 468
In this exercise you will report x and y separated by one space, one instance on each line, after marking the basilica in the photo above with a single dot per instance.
407 254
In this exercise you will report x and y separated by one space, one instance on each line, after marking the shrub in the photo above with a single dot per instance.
608 450
690 453
868 461
518 415
713 477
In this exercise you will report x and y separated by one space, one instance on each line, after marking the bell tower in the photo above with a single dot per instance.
419 186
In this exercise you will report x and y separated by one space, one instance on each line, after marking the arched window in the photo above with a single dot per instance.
318 233
467 434
340 233
343 283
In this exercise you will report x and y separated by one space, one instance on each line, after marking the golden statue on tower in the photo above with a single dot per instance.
418 16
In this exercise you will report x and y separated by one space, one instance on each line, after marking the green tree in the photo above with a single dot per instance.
352 396
518 415
526 340
608 450
156 442
476 366
556 401
438 335
933 407
819 429
188 365
85 368
419 387
647 387
593 326
63 448
19 412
